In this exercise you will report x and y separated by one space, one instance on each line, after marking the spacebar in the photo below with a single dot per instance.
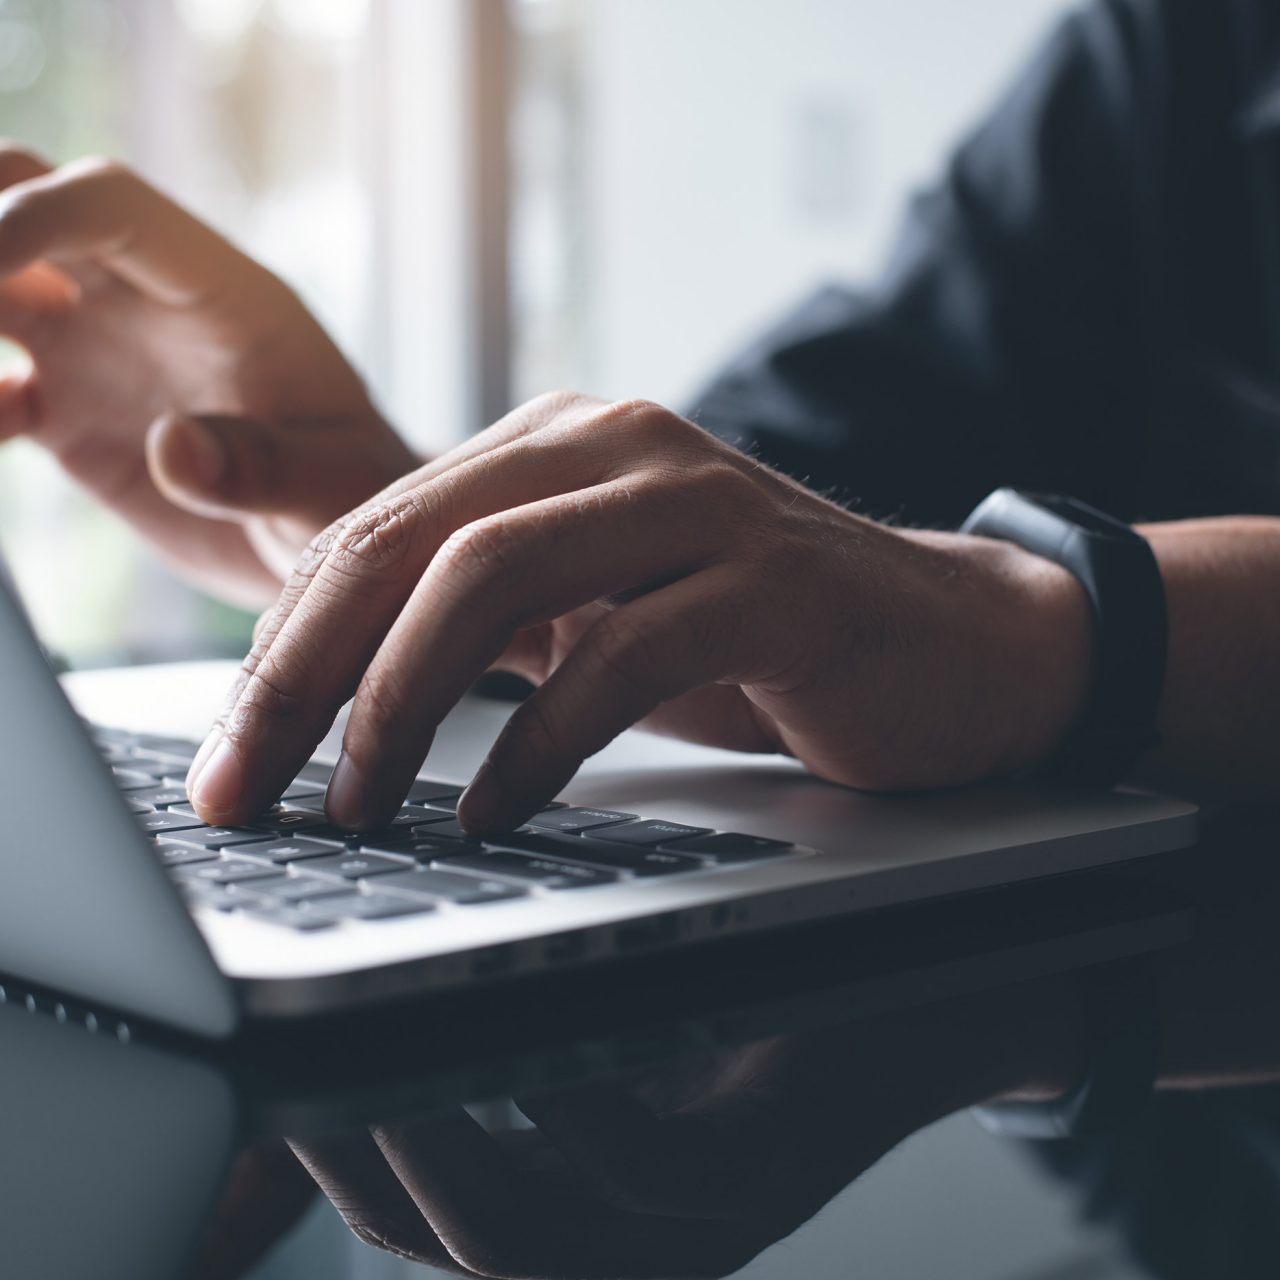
596 853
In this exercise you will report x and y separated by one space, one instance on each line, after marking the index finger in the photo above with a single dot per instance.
346 592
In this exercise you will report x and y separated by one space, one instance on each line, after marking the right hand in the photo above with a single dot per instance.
175 378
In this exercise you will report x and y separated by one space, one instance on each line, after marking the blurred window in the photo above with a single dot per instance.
677 171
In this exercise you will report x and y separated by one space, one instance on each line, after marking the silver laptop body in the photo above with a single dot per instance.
87 908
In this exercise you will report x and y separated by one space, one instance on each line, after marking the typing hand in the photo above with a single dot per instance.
640 569
175 378
692 1172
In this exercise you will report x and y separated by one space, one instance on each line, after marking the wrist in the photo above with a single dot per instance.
1031 643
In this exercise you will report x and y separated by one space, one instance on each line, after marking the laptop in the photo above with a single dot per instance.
113 891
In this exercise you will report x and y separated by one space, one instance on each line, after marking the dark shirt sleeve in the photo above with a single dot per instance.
1000 345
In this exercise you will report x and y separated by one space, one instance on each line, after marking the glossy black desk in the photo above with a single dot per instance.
130 1153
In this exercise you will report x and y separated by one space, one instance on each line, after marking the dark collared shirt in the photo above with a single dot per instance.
1088 303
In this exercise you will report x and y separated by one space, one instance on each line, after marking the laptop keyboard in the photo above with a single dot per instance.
294 868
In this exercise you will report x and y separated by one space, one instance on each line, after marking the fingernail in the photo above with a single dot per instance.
345 800
203 455
202 756
217 788
480 807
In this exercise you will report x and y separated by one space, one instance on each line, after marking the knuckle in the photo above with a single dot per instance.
635 417
720 482
627 651
267 696
318 548
528 735
482 554
553 402
377 539
384 699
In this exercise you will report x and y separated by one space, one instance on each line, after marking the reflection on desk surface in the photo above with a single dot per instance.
120 1162
693 1154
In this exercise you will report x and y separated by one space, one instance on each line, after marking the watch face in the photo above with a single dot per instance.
1080 513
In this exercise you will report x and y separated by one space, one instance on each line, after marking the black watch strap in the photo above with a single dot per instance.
1123 1046
1118 571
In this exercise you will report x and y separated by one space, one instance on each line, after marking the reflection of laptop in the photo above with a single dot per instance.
110 891
129 1135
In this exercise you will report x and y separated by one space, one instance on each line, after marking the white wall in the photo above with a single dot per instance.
739 151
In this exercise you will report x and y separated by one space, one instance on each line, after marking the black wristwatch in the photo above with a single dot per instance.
1119 573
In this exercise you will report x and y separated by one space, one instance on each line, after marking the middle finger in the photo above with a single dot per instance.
346 593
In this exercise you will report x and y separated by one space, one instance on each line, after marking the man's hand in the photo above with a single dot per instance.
641 570
176 379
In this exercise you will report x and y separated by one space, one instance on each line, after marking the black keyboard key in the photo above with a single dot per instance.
134 779
160 797
195 894
591 852
432 883
412 815
355 866
652 832
228 871
501 864
436 817
288 915
300 888
733 846
181 855
162 820
217 837
449 829
285 850
369 906
572 819
313 822
416 844
286 821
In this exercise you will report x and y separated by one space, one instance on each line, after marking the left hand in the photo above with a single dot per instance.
641 570
176 379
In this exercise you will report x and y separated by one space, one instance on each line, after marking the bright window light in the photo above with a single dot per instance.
324 21
218 21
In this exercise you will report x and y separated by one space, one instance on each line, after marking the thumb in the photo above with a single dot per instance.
227 467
